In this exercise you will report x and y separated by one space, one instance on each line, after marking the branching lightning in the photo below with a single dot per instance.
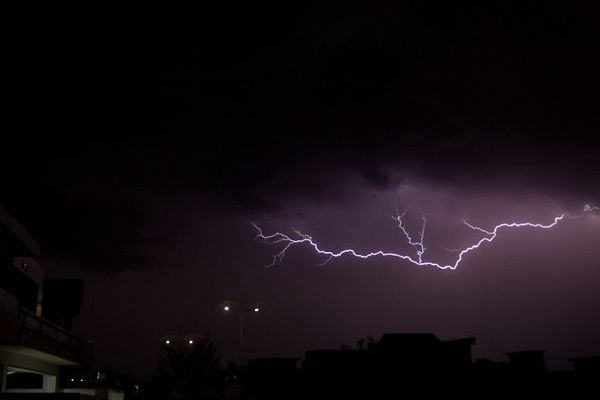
286 241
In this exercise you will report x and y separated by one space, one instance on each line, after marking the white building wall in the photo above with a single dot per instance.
89 392
22 361
50 371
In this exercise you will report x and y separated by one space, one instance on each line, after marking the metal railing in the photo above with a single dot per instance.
36 326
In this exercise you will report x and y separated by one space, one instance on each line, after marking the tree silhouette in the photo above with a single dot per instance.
360 343
189 370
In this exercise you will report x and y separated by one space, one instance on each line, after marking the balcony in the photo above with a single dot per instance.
42 335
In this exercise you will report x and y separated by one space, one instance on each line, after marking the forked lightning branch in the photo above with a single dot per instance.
284 242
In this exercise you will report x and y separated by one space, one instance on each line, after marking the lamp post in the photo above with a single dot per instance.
229 307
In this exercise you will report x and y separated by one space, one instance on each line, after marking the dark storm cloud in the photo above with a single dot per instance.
258 106
106 230
138 140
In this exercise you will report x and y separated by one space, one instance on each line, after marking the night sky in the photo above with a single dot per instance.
140 140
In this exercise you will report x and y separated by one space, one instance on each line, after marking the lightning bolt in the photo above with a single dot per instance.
419 246
489 235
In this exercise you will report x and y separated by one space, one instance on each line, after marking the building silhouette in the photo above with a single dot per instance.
403 365
36 345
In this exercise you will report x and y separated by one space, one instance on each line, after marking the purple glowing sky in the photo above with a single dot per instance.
529 288
174 126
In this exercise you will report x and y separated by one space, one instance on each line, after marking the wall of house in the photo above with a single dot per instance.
11 359
102 393
89 392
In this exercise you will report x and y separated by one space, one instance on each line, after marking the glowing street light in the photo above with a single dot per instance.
230 306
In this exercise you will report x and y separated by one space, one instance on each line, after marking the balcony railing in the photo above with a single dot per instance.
33 325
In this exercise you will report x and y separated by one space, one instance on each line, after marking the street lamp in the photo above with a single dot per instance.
242 312
176 341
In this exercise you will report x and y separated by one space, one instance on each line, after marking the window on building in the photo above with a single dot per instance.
24 380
